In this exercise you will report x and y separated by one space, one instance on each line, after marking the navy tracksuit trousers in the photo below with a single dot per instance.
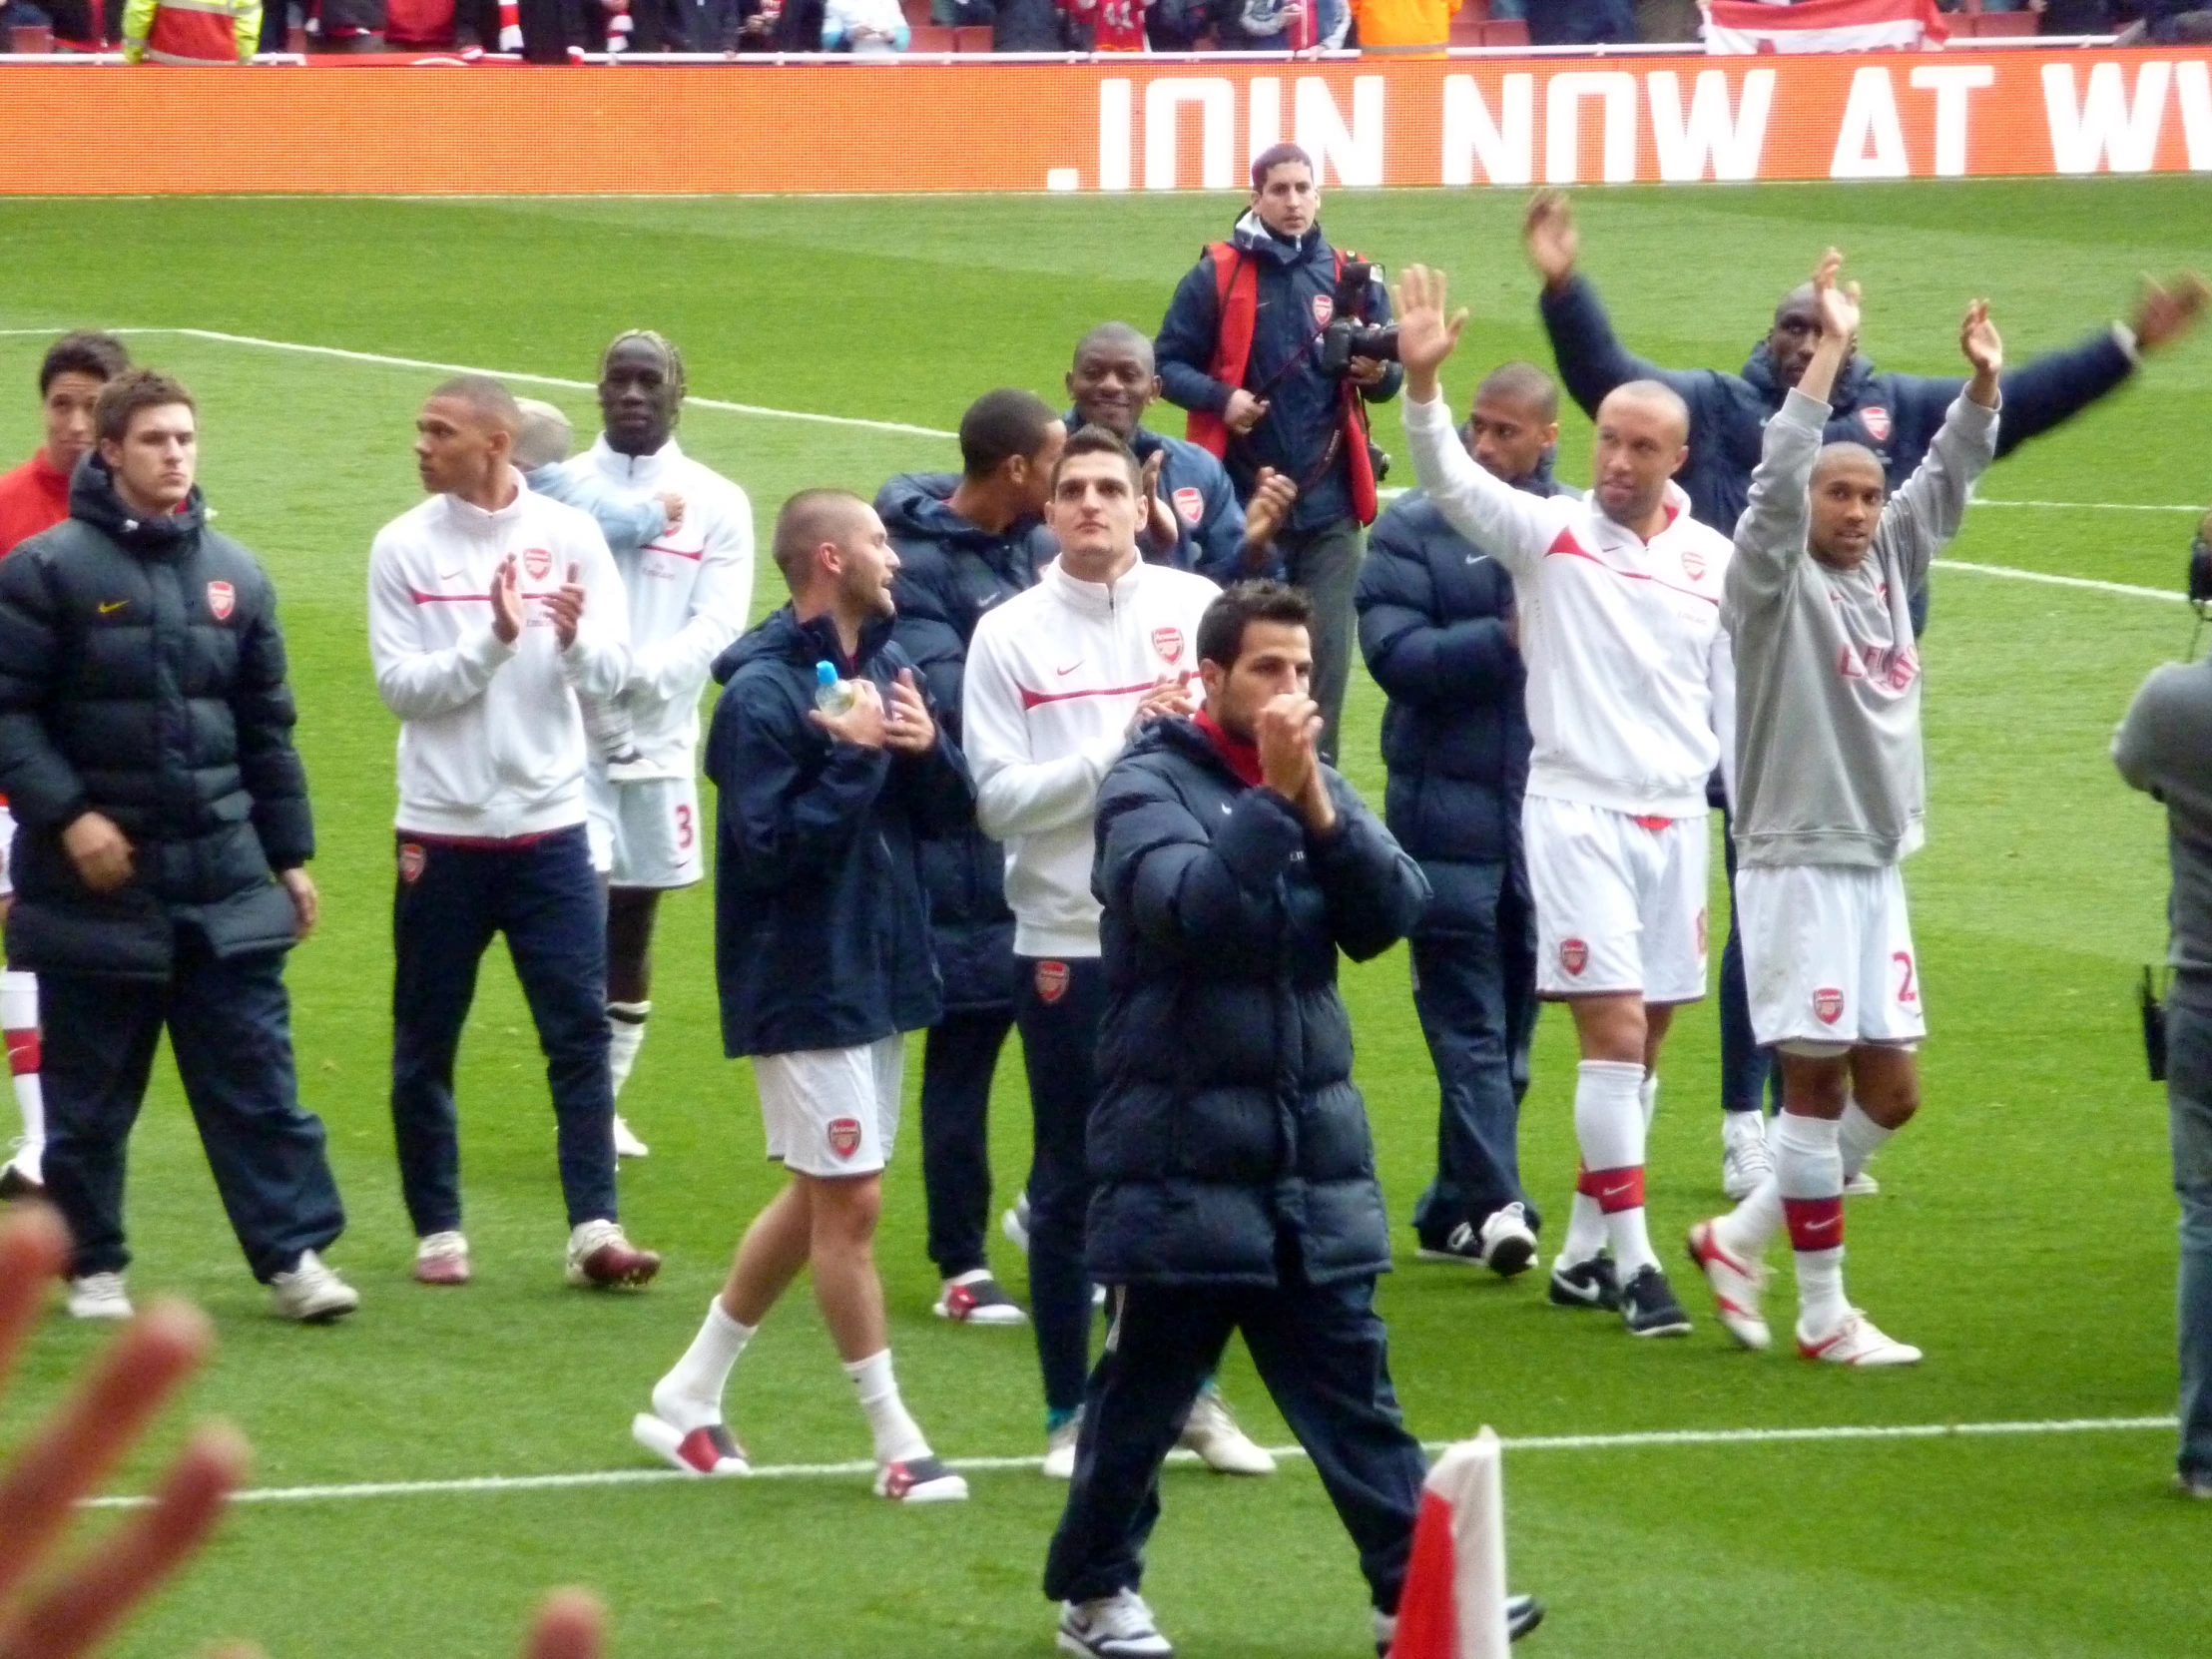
1059 1006
1475 990
958 1060
1323 1355
230 1028
450 899
1747 1070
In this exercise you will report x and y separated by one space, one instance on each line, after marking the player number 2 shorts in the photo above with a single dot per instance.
832 1111
1827 956
646 833
1620 900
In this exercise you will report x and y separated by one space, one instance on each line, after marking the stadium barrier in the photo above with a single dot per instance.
1124 125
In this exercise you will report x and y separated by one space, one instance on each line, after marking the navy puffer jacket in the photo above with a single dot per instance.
949 573
1227 1120
141 677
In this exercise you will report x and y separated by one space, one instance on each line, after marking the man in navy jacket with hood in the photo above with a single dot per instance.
1438 631
823 962
966 541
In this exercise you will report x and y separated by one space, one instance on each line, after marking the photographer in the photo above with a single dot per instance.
1274 342
2164 747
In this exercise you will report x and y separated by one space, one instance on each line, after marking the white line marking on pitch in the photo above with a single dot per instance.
2128 588
1657 1438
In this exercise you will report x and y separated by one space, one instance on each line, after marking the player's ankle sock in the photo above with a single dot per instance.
19 1019
1858 1137
1585 1223
1809 1174
1057 1418
898 1437
1609 1124
1746 1229
1647 1096
690 1395
625 1036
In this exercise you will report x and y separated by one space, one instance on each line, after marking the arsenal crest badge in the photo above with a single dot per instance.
1574 956
1190 506
1325 307
537 563
843 1135
1827 1004
1052 982
1876 419
222 600
1168 642
1692 564
411 860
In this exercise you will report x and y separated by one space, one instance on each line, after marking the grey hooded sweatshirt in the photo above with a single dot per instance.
1827 676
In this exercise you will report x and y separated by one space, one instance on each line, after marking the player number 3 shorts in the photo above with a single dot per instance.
1827 956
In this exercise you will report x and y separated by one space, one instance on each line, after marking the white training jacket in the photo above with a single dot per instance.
689 590
1053 675
491 740
1631 688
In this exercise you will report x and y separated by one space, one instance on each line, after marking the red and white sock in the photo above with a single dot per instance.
1858 1137
19 1019
1585 1222
1609 1125
1809 1172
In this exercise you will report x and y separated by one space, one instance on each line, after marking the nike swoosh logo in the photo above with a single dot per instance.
108 605
1070 668
449 575
1824 1225
1621 1191
1225 810
1477 558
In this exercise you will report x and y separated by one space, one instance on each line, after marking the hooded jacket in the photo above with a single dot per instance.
1895 416
1227 1119
949 573
821 932
1297 289
1435 618
141 677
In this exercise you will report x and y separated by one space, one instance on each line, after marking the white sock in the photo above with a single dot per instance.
1585 1231
1647 1093
898 1437
1809 1174
690 1395
19 1019
1859 1138
1609 1124
625 1036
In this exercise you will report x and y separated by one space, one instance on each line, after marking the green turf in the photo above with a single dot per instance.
2024 1237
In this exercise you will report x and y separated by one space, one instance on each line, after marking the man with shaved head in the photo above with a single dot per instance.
491 609
1618 599
1829 802
1197 522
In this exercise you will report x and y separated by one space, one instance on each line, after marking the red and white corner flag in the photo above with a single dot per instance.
1453 1605
1744 26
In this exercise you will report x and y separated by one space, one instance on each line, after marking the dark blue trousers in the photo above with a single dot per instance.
1475 990
1747 1070
545 897
1323 1355
958 1058
1059 1006
230 1028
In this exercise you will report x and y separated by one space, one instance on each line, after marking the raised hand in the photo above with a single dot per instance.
863 723
1160 526
1984 348
908 726
1286 731
567 606
1550 238
1167 699
2167 311
1426 336
1839 302
506 602
1272 497
671 509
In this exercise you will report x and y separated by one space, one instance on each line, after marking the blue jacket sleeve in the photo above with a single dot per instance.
1184 890
1592 361
936 786
261 710
1376 892
1185 347
1414 657
2047 390
926 633
42 787
779 825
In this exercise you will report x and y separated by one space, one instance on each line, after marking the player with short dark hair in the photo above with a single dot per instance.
830 766
1829 801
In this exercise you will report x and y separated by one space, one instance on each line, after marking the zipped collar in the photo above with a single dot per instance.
643 470
1253 236
1101 599
472 520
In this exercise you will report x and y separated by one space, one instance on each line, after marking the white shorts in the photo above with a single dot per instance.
832 1111
7 852
1827 956
646 834
1620 902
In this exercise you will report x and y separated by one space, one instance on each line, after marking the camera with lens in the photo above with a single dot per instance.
1348 334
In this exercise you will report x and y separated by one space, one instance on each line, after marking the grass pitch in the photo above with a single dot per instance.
2023 1236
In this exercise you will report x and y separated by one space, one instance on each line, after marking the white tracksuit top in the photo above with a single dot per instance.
1053 675
491 740
1631 689
688 591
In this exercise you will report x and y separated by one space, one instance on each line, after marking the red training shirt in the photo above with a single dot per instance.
34 497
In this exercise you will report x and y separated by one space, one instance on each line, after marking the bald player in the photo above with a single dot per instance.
1830 799
1197 522
1618 595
